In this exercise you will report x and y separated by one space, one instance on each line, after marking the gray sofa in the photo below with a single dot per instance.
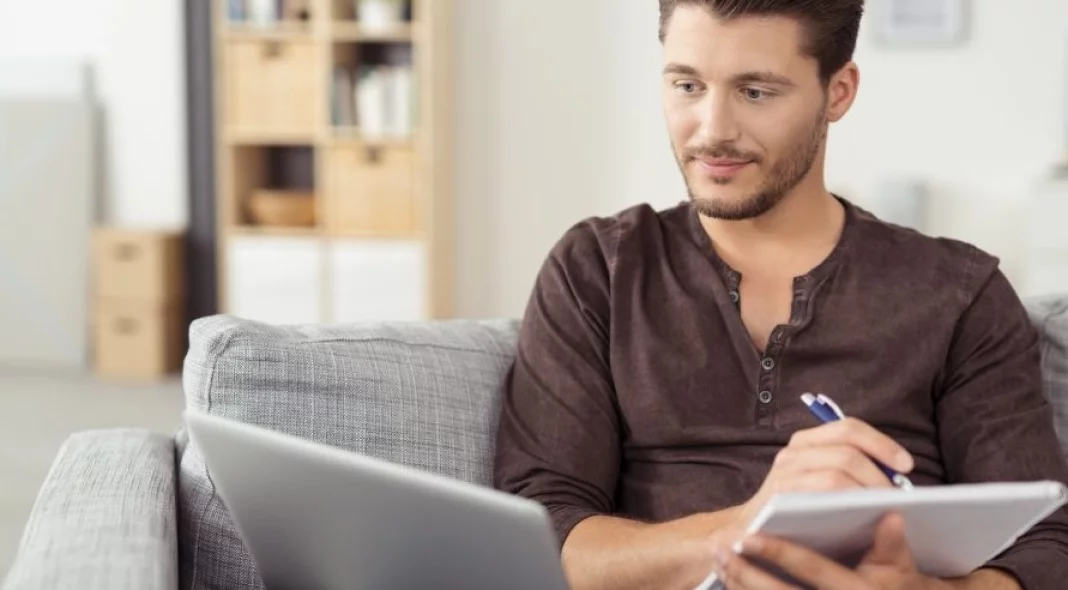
132 509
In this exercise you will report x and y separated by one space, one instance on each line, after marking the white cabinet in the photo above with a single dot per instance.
275 279
378 280
288 280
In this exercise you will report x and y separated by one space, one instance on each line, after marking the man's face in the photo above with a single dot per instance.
745 109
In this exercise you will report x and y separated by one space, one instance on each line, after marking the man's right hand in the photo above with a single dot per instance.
609 552
835 456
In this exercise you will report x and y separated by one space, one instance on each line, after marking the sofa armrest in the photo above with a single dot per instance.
104 518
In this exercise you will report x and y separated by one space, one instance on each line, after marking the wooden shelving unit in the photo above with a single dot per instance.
352 136
267 136
282 31
353 32
383 214
269 231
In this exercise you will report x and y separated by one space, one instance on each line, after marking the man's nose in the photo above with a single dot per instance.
718 121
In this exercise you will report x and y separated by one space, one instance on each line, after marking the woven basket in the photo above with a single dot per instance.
286 208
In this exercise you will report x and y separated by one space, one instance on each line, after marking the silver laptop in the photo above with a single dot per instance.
315 516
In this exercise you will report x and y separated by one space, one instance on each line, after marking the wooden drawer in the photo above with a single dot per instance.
372 191
271 85
138 340
142 265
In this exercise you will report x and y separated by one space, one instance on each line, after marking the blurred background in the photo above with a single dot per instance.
349 160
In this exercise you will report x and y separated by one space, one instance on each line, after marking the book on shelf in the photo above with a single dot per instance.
343 107
262 12
237 10
400 103
380 100
372 101
268 12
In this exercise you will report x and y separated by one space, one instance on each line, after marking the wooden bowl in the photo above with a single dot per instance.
285 208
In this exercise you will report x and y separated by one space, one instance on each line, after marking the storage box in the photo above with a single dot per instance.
272 86
379 280
275 279
373 189
145 266
138 340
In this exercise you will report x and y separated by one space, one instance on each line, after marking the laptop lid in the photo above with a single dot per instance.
315 516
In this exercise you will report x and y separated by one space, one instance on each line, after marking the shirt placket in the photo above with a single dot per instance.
765 382
767 393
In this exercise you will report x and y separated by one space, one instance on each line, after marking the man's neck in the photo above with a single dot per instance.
795 236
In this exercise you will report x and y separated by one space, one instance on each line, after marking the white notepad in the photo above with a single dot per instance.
952 530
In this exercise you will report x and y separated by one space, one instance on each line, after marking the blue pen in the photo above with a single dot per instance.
826 410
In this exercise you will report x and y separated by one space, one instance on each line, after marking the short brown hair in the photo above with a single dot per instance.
831 26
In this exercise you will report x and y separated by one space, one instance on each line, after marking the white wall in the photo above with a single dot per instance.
136 50
559 117
530 125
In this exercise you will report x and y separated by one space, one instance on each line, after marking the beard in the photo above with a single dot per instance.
786 174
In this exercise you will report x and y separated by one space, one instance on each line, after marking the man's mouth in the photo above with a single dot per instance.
721 166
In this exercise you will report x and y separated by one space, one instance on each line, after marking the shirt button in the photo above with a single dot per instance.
768 364
765 397
735 297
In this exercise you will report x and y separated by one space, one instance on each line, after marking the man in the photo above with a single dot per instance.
654 402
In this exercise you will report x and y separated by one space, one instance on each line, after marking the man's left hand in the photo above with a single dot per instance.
889 565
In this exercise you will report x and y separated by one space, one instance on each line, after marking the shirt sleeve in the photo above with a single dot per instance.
559 437
996 425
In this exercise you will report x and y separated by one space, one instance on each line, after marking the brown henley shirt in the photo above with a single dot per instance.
637 391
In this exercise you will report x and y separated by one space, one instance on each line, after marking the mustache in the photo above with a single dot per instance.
720 151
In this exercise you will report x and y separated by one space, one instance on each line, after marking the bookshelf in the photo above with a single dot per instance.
344 125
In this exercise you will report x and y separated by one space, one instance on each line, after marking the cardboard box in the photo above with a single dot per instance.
134 339
147 266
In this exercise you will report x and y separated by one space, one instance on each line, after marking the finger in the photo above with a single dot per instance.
817 481
860 435
843 458
737 573
891 547
803 565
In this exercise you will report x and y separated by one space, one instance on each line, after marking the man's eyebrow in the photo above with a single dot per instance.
763 78
681 69
755 77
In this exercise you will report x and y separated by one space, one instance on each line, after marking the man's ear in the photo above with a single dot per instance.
842 91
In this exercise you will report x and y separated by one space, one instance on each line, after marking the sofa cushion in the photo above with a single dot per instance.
1050 316
422 395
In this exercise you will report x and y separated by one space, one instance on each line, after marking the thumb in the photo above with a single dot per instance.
890 547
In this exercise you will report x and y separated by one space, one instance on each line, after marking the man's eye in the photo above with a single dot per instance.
686 87
755 94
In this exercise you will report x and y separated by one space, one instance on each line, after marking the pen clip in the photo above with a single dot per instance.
830 404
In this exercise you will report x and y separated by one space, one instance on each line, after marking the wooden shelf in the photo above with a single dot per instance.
398 236
282 31
351 31
315 232
271 136
275 231
347 136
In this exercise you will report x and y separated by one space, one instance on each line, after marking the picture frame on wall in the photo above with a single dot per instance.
917 23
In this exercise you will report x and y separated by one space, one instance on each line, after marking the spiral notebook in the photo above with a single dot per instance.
952 530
